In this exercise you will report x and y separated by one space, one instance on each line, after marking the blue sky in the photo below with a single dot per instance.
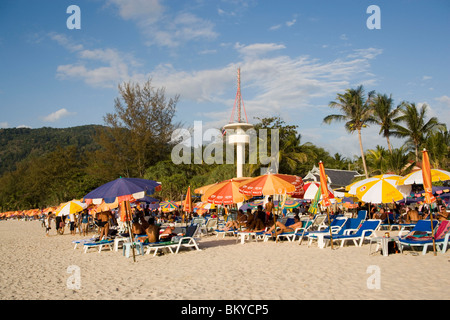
295 56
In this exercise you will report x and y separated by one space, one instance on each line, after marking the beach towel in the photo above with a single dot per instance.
443 229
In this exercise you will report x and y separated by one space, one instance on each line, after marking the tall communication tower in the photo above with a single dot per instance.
238 128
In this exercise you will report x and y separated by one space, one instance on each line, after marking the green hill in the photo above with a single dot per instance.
18 144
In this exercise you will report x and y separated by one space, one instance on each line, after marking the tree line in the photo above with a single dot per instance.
136 142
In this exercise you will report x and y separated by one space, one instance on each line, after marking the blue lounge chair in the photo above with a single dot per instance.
98 244
336 225
362 214
366 229
423 237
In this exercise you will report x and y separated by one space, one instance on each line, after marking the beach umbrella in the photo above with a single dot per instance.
203 189
311 190
427 185
416 177
271 184
382 189
225 192
73 206
291 204
125 189
168 206
187 206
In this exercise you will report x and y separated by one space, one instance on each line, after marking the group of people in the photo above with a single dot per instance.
410 215
262 220
79 221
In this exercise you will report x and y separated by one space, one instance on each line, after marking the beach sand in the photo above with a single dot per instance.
34 266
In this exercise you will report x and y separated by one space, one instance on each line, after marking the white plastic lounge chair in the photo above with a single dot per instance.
209 227
82 241
185 241
366 230
336 225
98 244
442 234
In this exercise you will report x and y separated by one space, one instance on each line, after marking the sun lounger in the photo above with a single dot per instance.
366 230
336 225
82 241
441 235
98 244
249 235
290 236
185 241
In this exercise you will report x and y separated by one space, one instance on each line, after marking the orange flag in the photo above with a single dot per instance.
426 175
323 186
187 202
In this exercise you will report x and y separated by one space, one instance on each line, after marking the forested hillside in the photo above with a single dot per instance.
18 144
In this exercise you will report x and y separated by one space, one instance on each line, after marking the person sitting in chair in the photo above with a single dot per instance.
283 228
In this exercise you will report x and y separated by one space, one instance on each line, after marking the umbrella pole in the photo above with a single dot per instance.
329 222
130 230
432 231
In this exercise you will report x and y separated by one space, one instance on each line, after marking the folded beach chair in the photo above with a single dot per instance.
366 230
441 235
98 244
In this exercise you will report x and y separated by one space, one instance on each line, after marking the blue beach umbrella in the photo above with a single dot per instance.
123 187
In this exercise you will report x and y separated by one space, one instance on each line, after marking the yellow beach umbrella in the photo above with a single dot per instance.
73 206
416 177
382 189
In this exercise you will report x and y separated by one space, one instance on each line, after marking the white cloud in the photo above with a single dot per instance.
23 126
427 78
279 84
114 65
291 23
4 125
257 49
163 28
55 116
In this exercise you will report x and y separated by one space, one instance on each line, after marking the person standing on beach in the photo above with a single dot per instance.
84 221
72 223
47 221
269 209
103 222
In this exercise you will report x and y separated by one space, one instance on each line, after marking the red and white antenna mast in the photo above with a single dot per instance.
238 100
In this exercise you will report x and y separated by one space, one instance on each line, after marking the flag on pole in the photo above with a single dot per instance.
323 183
314 207
429 198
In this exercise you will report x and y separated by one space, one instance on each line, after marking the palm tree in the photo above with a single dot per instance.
357 113
377 159
416 127
385 115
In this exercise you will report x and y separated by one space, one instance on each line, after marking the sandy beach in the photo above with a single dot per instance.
34 266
